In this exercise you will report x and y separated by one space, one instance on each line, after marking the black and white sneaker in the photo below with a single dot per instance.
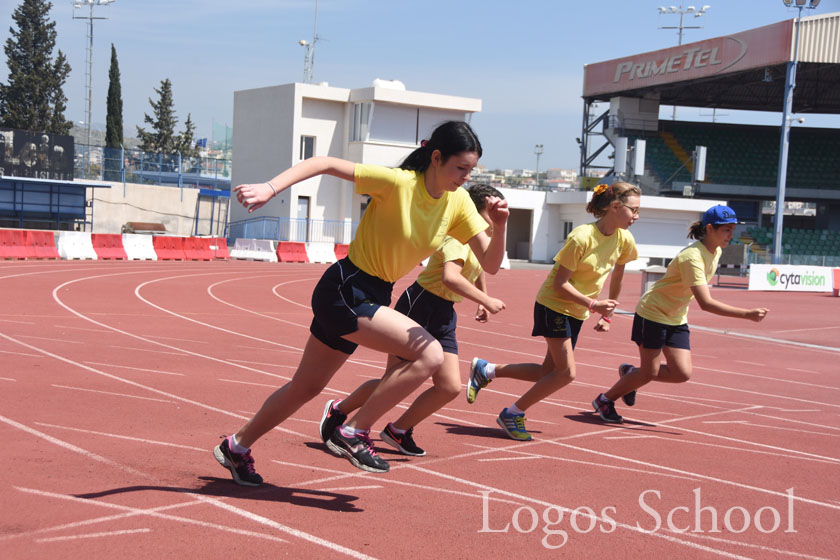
403 443
357 449
606 409
331 419
630 398
240 465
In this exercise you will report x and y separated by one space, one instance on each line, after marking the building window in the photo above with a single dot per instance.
567 229
307 147
361 119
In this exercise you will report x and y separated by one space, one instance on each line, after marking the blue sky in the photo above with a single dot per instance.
524 60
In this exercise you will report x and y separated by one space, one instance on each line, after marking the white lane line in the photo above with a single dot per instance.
93 535
349 488
803 370
151 513
50 339
135 368
71 447
19 354
7 379
768 378
334 547
110 393
118 436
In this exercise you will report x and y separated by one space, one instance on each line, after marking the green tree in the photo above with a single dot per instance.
186 140
114 119
113 122
162 138
33 98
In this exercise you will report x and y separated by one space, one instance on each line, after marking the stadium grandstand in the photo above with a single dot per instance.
743 71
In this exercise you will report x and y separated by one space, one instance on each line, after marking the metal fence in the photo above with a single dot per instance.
293 229
137 166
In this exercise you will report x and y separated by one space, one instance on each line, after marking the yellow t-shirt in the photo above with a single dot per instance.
403 224
590 255
667 300
450 250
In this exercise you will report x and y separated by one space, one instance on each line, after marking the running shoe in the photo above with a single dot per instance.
606 409
357 449
513 425
478 380
630 398
240 465
403 443
331 419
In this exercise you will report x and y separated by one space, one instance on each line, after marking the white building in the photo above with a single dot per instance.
277 127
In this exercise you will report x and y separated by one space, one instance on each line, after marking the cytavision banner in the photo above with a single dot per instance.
790 278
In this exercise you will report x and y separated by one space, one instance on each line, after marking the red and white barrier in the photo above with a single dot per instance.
74 245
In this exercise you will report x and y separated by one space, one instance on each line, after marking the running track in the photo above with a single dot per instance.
117 379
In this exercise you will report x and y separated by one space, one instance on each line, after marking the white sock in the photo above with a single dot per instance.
490 371
236 448
513 409
350 432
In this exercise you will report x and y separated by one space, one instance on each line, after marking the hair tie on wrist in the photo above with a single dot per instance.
271 187
605 318
592 305
424 143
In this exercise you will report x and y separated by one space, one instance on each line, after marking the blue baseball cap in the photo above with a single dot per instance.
719 214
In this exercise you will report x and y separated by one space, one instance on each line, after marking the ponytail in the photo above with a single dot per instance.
450 138
696 231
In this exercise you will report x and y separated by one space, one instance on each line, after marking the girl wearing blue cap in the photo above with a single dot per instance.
660 324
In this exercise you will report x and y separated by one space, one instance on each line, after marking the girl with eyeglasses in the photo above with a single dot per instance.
566 299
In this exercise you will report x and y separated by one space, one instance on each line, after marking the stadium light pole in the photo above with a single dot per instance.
790 84
538 150
689 10
77 5
309 54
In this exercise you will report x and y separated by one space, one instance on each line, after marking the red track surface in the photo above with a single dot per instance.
117 379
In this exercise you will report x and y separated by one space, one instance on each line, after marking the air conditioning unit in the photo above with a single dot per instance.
688 190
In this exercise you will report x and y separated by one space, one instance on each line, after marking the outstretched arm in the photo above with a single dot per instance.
708 303
563 287
253 196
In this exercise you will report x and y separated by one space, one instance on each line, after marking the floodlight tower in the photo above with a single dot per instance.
538 150
78 5
309 54
790 84
689 10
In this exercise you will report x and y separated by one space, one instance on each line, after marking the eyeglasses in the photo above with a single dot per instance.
632 209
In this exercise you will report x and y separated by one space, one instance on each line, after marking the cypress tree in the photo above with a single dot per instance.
32 98
114 119
186 140
162 138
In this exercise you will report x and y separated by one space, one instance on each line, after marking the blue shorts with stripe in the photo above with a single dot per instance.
433 313
550 324
654 335
343 294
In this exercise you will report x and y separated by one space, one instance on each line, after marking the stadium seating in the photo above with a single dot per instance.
798 241
745 155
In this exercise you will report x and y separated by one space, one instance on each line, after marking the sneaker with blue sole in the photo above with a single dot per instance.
513 425
478 379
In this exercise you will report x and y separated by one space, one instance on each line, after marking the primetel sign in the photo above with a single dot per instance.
755 48
690 58
790 278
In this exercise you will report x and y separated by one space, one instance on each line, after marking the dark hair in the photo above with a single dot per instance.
450 138
698 231
605 195
480 191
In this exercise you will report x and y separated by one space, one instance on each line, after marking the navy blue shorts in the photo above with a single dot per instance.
551 324
653 335
433 313
343 294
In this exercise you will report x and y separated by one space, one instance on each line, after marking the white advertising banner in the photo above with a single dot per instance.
790 278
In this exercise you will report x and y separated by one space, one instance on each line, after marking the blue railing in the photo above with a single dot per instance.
136 166
293 229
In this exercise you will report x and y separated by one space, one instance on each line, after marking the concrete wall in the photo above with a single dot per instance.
173 207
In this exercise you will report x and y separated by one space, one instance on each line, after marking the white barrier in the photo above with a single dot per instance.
505 262
790 278
320 252
75 245
139 247
254 250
